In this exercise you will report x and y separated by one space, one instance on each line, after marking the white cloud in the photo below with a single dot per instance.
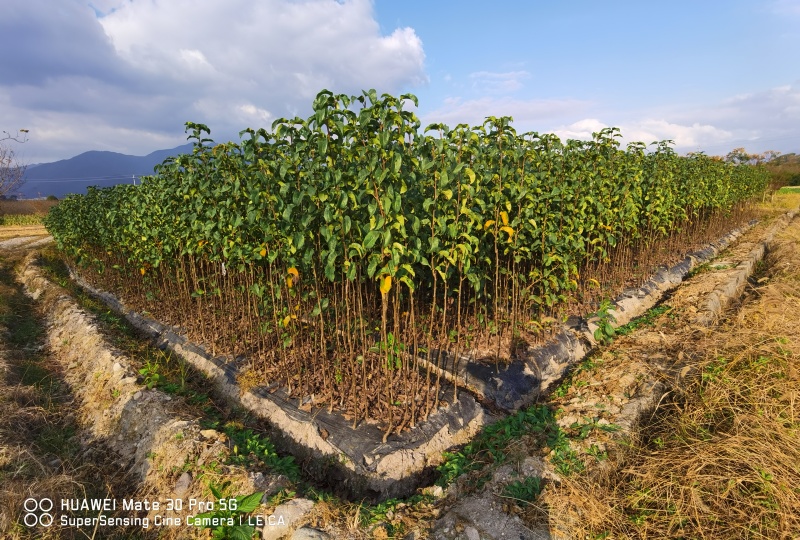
759 121
582 129
763 120
252 115
648 130
141 69
685 136
273 47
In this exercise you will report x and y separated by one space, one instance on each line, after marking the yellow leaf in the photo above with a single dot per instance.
509 230
263 252
289 282
286 320
386 284
470 173
504 217
142 270
594 282
488 224
293 271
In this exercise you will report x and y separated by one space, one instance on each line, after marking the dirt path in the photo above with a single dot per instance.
126 422
720 454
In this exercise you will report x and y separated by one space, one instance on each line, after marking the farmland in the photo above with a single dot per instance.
560 466
351 259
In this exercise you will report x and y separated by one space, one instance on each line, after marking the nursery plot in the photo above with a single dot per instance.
353 260
574 418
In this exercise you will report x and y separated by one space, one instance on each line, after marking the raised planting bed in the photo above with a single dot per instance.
362 459
510 386
356 458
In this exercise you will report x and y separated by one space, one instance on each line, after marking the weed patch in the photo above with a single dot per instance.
536 426
648 319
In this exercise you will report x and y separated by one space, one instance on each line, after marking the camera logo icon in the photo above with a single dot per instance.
38 512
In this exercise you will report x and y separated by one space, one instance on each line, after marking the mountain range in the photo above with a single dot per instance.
94 168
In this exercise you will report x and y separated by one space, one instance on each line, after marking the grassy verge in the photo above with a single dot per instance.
41 451
20 220
722 459
28 212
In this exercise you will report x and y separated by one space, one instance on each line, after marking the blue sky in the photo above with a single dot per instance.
125 75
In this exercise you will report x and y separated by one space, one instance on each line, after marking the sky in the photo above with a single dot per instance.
125 75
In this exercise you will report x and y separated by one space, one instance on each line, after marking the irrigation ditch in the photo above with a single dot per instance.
169 453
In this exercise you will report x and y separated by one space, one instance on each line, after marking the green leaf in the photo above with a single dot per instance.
371 238
248 503
215 491
330 271
373 265
241 532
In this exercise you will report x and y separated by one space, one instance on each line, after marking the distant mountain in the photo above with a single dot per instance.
93 168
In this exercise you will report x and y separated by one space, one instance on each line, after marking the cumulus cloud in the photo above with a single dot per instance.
759 121
649 130
582 129
45 40
763 120
141 69
262 46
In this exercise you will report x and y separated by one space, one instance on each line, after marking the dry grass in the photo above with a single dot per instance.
26 207
40 446
723 458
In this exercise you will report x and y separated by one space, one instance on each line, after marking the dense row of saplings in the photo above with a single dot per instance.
350 255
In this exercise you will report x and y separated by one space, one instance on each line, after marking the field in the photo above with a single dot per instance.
354 261
679 424
27 212
747 363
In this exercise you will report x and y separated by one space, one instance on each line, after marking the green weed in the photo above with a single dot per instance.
605 331
250 448
648 319
233 509
524 491
490 447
